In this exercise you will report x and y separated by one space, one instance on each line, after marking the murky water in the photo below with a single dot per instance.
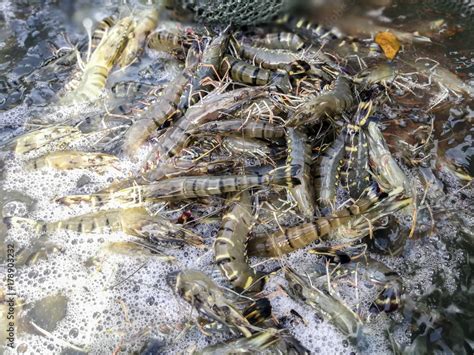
73 294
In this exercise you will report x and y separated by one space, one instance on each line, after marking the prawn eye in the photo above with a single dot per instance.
298 289
339 258
224 309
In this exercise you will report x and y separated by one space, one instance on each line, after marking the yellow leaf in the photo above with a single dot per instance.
389 43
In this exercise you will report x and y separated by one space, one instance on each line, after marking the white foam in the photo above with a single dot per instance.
117 300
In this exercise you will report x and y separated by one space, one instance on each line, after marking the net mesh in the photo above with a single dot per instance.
237 12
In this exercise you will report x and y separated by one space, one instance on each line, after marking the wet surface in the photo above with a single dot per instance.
89 298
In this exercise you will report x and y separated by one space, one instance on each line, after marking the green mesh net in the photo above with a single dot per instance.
236 12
